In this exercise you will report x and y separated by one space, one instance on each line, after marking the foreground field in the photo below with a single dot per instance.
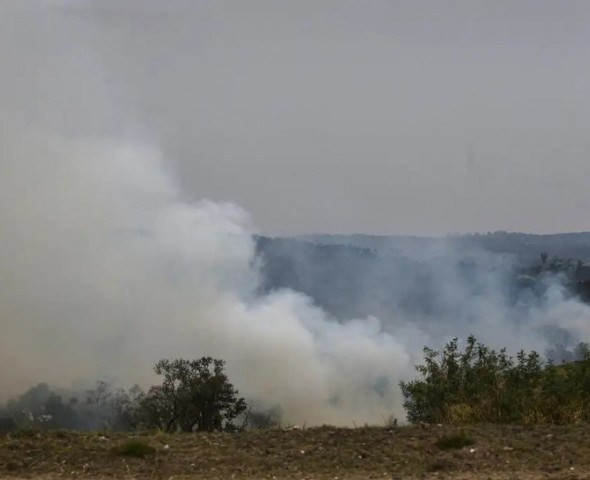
317 453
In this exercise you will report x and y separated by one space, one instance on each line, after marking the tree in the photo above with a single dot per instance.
126 405
99 401
195 395
41 407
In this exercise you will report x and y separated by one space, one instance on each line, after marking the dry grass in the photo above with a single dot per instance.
318 453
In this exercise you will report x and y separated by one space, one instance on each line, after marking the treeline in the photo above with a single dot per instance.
475 384
194 395
482 385
525 247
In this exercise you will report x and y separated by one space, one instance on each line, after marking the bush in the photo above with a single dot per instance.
26 432
459 440
135 448
480 385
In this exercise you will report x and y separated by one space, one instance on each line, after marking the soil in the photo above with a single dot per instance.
497 452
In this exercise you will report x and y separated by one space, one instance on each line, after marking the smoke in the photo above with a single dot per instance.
105 268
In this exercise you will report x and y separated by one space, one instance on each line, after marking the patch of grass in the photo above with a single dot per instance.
455 441
26 432
12 466
439 466
13 445
135 448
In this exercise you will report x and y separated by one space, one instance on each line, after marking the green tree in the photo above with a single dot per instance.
481 385
195 395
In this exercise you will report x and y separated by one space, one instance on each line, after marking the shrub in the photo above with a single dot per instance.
439 466
135 448
480 385
458 440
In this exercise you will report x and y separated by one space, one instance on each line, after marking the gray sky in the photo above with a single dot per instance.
331 116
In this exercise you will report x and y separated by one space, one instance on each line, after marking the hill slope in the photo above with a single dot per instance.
319 453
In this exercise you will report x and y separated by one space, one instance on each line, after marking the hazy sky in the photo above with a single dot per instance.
338 116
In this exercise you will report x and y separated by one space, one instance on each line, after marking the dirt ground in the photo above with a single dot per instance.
508 452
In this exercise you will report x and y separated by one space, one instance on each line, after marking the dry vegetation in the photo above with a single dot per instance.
318 453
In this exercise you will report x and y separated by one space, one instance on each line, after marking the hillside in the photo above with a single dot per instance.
319 453
353 276
525 246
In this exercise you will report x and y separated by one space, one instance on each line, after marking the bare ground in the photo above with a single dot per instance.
507 452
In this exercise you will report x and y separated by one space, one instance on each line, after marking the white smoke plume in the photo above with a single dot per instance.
105 270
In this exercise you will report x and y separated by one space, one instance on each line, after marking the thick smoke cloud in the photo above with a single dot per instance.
105 268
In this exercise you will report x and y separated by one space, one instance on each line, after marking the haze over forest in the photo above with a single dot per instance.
190 178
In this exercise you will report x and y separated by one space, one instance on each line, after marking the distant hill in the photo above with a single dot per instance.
526 247
353 276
